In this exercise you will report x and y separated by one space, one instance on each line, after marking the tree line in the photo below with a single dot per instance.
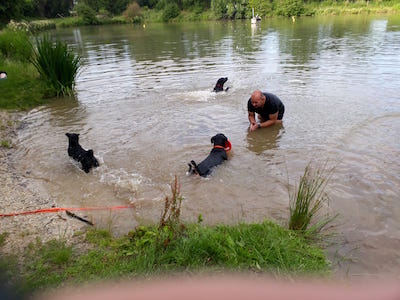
221 9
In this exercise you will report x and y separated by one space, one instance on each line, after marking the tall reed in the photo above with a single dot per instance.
57 64
308 201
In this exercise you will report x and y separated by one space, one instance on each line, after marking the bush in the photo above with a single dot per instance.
171 11
289 8
15 45
87 14
219 8
132 13
56 64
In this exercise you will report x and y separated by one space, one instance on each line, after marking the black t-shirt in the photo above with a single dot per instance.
272 105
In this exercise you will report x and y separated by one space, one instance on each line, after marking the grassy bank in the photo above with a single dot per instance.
265 247
23 89
353 8
171 247
267 11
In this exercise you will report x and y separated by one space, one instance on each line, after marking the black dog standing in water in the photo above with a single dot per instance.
215 158
86 158
219 86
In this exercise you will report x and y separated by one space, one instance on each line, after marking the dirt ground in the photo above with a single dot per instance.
19 193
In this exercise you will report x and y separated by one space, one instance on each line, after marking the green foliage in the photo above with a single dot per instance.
289 8
57 64
132 13
148 3
196 4
219 8
171 11
116 7
15 45
5 144
262 8
10 9
3 237
96 5
308 201
264 247
53 8
46 263
87 14
23 88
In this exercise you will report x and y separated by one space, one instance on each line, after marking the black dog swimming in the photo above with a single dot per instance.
86 158
215 158
219 86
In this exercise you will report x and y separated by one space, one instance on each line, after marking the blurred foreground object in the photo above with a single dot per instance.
232 288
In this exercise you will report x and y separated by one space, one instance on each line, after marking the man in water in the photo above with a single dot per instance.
269 108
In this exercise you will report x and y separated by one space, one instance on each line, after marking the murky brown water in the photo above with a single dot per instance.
144 104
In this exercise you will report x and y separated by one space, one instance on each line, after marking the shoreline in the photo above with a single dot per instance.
19 194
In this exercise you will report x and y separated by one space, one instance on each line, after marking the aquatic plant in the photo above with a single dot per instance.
307 202
57 64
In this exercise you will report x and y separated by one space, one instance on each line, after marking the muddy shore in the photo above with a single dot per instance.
18 193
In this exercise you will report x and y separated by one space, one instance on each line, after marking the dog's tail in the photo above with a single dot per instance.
193 168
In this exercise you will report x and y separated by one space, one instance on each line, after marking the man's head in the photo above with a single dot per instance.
257 99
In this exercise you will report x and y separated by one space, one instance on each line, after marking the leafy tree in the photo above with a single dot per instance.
171 11
96 5
53 8
148 3
116 7
87 14
219 9
132 13
196 4
289 8
261 7
10 9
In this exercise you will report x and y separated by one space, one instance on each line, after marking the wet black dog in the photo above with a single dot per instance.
215 158
219 86
86 158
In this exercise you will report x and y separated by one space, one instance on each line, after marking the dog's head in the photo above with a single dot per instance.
219 86
89 161
219 140
73 137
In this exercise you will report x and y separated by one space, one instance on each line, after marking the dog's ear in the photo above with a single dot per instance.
213 139
90 152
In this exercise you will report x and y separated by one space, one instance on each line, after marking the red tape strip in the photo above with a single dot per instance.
57 209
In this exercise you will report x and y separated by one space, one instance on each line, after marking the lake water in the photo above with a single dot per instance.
145 106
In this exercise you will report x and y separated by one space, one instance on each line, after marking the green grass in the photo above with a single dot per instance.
23 89
15 44
352 8
5 143
264 247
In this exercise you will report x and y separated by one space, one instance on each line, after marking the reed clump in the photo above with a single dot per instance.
56 64
308 200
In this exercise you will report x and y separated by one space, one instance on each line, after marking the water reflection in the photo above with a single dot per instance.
265 139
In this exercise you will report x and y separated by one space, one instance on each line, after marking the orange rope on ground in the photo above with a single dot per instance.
57 209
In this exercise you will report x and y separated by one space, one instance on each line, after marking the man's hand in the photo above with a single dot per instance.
253 126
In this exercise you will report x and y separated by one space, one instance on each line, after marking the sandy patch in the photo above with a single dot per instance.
19 194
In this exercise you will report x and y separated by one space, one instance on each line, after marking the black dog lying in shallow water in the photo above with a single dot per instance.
86 158
219 86
215 158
